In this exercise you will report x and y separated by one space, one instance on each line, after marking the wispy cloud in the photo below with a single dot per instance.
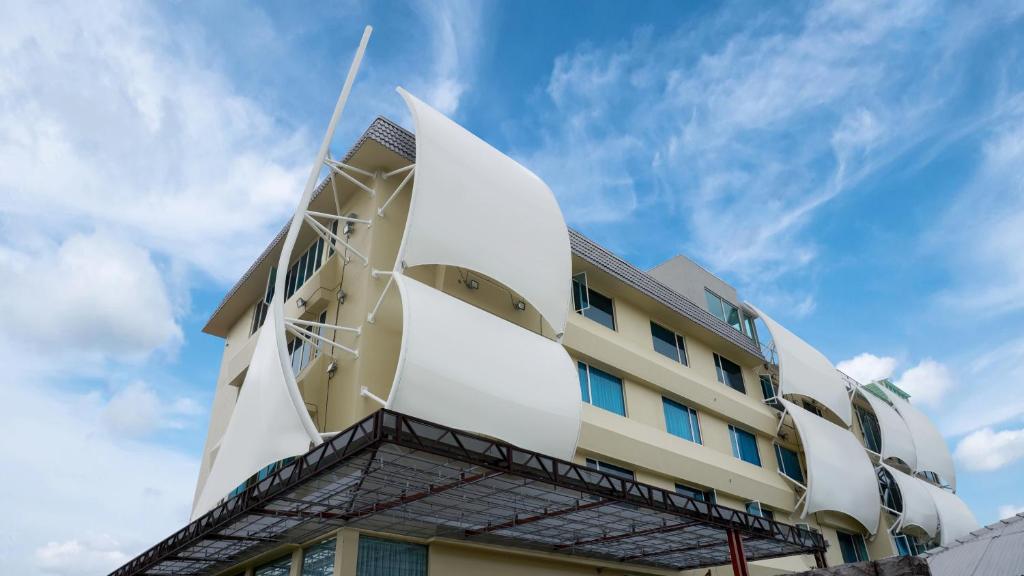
988 450
455 31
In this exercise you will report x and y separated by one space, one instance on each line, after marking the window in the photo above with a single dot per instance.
580 297
301 351
725 311
789 463
303 268
668 343
907 545
610 469
769 392
280 567
748 327
811 407
932 477
729 373
754 508
888 491
870 430
601 389
318 559
259 314
379 557
696 493
601 309
681 420
744 445
852 546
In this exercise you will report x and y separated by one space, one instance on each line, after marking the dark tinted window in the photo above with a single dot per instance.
600 310
729 373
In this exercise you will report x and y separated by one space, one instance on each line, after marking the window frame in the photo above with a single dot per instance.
692 419
611 469
366 540
329 543
589 397
707 496
720 370
778 448
874 443
858 545
590 306
722 303
679 341
737 452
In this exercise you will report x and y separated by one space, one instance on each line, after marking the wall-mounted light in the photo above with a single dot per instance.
301 303
472 284
520 305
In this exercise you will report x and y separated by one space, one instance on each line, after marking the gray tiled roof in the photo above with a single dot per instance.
402 142
995 550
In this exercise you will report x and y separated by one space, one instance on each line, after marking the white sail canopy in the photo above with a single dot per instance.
840 476
264 427
805 371
955 519
474 207
896 439
931 449
475 371
918 505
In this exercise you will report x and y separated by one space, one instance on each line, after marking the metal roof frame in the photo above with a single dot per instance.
397 474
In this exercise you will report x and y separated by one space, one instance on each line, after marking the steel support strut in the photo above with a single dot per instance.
736 555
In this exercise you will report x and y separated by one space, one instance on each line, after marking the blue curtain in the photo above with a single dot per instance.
677 419
318 560
378 557
606 392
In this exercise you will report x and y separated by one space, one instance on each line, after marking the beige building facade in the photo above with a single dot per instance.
679 387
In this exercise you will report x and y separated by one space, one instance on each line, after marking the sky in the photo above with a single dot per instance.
856 169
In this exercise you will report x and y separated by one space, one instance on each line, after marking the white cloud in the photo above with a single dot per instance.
92 294
109 122
455 36
927 383
867 367
137 410
82 497
987 450
1009 510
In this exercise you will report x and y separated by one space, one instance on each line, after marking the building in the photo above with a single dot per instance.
550 409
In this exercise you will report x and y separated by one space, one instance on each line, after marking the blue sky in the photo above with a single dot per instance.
855 169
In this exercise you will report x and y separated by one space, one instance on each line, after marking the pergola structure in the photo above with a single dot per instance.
393 473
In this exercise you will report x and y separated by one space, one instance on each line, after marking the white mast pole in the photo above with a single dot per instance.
277 302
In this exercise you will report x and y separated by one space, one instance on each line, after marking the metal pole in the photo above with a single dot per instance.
736 554
277 303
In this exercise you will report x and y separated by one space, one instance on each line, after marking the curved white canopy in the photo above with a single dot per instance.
475 371
840 476
474 207
918 505
931 449
264 426
955 519
896 439
805 371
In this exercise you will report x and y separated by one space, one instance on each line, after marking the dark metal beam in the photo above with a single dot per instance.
631 534
516 521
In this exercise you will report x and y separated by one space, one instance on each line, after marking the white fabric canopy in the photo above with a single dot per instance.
264 426
840 476
475 208
896 439
805 371
472 370
918 505
932 452
955 519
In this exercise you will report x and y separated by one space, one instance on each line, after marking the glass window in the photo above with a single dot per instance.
610 469
580 298
714 304
696 493
729 373
769 392
744 445
279 567
681 420
789 463
811 407
724 310
869 430
601 389
601 309
318 559
852 546
379 557
668 343
748 327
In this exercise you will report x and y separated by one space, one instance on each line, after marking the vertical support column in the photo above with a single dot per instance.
296 566
736 555
820 560
346 550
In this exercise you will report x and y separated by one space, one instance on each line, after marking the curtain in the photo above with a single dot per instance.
378 557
